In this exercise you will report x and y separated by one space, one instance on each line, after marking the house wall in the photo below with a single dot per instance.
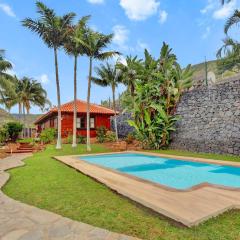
67 124
210 119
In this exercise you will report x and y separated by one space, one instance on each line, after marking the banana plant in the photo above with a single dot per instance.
158 88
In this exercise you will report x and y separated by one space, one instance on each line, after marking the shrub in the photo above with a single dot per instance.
3 135
81 139
110 136
69 138
48 135
101 134
130 138
13 129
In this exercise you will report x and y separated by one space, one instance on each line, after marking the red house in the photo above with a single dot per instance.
99 116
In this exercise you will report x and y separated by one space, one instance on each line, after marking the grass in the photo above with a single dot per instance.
200 155
49 184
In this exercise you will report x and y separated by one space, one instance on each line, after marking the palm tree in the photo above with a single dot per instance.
53 30
28 92
233 20
130 73
94 45
225 1
32 93
6 86
229 56
4 64
74 47
109 75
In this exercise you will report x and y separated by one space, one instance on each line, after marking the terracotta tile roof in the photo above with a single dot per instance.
81 108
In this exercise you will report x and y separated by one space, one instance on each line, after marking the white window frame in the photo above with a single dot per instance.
92 122
79 122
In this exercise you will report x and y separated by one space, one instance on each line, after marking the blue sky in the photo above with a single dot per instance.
194 29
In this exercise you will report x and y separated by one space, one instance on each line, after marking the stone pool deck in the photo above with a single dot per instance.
189 207
19 221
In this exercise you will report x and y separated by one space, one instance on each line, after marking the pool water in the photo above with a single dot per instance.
173 173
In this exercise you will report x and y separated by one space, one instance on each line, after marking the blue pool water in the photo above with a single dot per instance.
170 172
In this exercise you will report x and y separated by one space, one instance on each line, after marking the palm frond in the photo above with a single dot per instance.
233 20
106 55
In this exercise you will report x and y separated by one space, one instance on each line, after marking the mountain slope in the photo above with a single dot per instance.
5 117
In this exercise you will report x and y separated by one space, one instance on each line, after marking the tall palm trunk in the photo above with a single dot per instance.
20 111
115 112
58 146
74 141
27 126
20 115
24 120
88 105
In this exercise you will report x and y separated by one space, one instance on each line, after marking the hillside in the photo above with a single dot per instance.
7 117
29 119
200 71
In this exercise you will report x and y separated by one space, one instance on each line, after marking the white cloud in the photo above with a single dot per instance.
207 32
120 35
7 10
139 9
44 79
120 59
142 46
163 16
225 11
211 4
219 11
96 1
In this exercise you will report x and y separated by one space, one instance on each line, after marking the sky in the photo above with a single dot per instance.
193 29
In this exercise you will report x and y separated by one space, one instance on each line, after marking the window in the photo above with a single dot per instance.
92 122
55 123
81 122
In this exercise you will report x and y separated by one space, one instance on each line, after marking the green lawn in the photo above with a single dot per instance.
200 155
49 184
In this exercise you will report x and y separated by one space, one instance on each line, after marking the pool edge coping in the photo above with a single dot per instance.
155 184
176 218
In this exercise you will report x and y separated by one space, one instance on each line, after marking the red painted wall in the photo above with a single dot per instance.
67 124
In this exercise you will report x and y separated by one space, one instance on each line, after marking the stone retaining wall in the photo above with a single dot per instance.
123 128
210 119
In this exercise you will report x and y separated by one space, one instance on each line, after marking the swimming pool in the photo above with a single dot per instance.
172 173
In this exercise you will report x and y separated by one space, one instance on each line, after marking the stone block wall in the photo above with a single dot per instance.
123 128
210 119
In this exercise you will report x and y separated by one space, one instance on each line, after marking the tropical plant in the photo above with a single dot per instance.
53 30
74 47
6 85
81 139
129 138
48 135
13 129
101 134
225 1
110 136
94 45
130 72
31 93
3 135
229 56
109 75
27 92
158 88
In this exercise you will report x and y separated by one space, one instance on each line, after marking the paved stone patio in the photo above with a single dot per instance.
19 221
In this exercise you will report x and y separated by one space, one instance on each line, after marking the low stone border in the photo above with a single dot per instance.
19 221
